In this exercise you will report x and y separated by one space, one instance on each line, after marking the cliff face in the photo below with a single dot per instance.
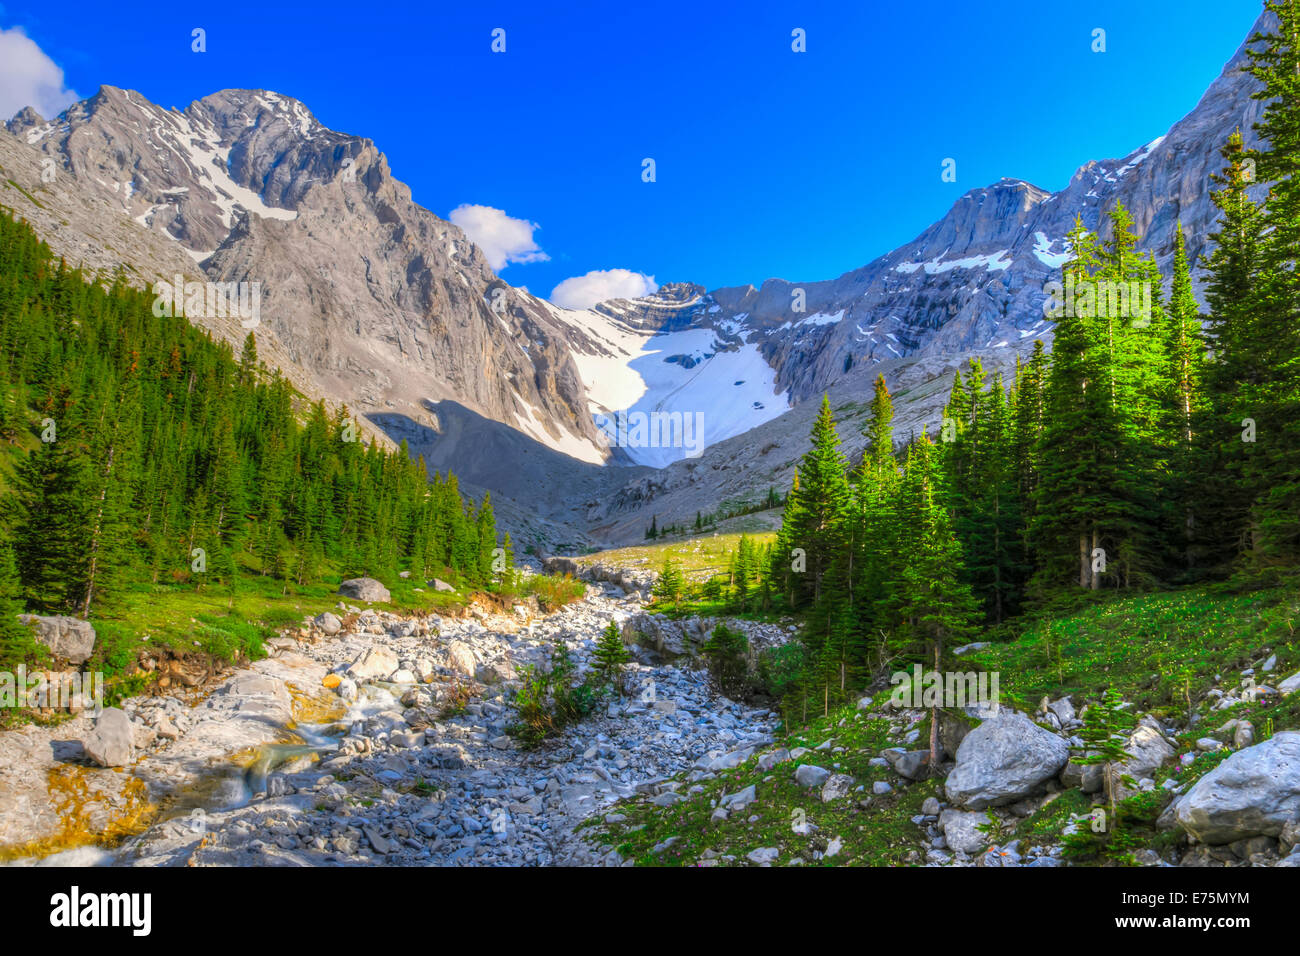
382 304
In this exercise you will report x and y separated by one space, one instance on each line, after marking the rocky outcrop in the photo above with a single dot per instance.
631 580
672 638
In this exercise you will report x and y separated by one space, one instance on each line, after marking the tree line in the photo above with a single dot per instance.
137 450
1154 446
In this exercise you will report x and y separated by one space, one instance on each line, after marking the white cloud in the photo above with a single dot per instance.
30 78
600 285
502 238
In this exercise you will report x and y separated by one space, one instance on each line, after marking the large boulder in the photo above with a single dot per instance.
460 659
1255 792
810 775
374 663
364 589
112 741
1002 760
68 638
912 764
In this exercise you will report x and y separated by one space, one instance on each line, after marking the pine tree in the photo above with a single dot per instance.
1105 731
817 524
1274 399
1233 370
609 657
668 588
1184 357
937 606
51 520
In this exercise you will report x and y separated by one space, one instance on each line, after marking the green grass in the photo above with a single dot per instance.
1157 650
882 834
697 557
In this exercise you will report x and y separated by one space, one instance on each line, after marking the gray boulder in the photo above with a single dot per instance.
809 775
1002 760
364 589
741 798
837 787
68 638
374 663
112 742
1148 752
1087 777
773 757
912 764
1255 792
327 622
961 830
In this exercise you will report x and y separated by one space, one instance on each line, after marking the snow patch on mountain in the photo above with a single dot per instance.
689 371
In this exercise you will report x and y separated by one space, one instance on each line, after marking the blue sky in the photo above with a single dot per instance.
768 162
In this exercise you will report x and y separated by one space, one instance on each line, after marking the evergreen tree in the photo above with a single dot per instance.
1272 343
668 588
609 657
820 507
1233 370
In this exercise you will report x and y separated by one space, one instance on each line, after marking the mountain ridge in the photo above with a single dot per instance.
376 302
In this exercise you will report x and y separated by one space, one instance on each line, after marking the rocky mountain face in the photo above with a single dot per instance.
973 282
971 285
370 300
383 304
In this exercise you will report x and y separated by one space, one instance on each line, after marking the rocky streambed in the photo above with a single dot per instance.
369 739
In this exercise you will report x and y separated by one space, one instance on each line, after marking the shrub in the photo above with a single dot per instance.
780 669
549 700
553 591
726 654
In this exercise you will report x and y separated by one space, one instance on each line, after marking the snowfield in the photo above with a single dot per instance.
688 372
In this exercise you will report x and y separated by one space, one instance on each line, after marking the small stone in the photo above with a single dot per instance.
764 856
